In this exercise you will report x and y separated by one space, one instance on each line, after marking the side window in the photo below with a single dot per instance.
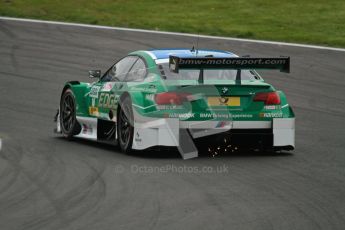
119 71
138 71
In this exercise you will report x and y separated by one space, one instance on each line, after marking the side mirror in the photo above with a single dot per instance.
95 73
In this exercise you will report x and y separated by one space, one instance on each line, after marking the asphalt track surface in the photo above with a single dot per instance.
47 182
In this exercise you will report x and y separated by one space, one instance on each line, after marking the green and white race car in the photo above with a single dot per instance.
183 98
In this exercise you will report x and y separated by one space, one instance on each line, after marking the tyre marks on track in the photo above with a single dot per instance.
38 179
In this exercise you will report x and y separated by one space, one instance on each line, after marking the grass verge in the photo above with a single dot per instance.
302 21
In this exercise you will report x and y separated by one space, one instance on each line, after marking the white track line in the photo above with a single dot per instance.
173 33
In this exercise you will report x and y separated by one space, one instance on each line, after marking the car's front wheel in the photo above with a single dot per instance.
68 121
125 125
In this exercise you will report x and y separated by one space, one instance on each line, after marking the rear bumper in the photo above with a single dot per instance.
149 132
283 130
262 139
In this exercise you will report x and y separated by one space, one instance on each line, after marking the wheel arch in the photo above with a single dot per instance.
124 95
69 85
136 98
79 90
122 98
287 111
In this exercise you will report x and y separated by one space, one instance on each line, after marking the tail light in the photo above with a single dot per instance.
171 98
270 98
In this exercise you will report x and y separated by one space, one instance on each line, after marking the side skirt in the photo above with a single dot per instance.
97 130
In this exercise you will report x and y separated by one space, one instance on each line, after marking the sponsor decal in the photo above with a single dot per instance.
93 111
146 89
87 129
215 115
228 109
150 89
94 91
169 107
108 86
224 115
149 97
172 64
241 115
137 137
271 115
221 124
176 63
108 101
272 107
182 115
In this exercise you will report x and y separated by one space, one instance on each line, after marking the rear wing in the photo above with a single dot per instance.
238 63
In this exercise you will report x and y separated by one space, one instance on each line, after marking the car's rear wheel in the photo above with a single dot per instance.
125 124
68 121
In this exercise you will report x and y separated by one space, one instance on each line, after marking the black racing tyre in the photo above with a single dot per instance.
125 122
68 121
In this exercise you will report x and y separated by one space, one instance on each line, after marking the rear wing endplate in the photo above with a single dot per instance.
177 63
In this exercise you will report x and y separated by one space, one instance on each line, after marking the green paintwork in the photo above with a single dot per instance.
142 93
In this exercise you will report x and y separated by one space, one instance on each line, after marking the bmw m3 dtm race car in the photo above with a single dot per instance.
182 98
